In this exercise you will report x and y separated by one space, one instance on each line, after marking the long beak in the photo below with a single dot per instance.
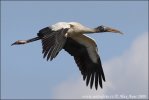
109 29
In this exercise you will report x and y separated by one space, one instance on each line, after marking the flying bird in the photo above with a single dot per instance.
71 37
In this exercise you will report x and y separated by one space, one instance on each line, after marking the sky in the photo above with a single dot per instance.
26 75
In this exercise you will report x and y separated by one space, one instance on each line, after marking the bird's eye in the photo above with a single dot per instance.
102 28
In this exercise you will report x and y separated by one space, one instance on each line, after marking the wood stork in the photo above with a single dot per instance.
70 37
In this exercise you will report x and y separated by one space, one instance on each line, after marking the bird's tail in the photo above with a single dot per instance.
18 42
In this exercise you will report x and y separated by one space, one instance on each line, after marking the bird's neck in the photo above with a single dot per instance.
90 30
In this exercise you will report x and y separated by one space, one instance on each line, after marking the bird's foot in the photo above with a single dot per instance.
19 42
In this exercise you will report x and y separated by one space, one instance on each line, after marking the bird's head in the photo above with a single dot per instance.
107 29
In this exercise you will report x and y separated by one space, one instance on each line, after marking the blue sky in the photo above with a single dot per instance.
25 74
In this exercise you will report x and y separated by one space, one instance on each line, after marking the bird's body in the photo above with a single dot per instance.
70 37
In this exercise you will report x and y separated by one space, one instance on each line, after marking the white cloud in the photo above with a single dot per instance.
126 75
75 89
129 72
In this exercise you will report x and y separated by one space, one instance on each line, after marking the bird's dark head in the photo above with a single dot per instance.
107 29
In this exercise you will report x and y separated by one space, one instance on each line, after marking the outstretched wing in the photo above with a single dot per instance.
52 41
91 71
